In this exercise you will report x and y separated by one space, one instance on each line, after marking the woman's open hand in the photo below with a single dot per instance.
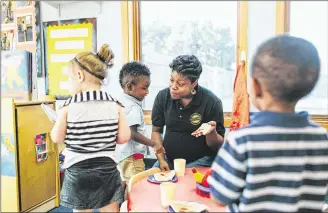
205 129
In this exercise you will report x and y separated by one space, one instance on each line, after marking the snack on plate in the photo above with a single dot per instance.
187 206
164 176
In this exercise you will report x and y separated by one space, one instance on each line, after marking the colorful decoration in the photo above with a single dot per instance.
202 186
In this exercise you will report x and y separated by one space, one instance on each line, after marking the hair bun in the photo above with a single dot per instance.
105 54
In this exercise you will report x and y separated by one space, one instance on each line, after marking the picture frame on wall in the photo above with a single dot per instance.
7 12
7 39
25 28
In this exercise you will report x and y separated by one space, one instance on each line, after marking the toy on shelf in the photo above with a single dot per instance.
202 186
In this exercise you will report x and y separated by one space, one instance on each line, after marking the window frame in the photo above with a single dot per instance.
283 9
130 11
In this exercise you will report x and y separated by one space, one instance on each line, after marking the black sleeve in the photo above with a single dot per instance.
157 115
216 114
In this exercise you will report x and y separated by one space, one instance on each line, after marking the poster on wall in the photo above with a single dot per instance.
63 40
16 81
25 28
7 39
7 12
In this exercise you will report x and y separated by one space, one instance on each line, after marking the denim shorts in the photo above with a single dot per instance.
91 184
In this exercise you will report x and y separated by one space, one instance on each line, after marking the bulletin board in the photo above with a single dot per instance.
63 42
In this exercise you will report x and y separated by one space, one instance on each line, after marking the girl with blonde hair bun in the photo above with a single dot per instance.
91 123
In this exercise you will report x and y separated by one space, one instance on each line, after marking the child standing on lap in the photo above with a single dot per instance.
280 161
91 123
134 79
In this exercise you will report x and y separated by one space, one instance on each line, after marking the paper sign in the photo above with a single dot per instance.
59 58
69 33
66 45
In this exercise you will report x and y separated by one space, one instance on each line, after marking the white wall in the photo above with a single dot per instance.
108 30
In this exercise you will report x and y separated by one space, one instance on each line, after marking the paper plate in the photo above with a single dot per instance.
187 209
152 179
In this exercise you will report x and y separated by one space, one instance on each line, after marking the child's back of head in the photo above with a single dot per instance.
280 161
286 68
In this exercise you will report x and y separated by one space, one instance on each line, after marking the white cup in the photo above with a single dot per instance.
167 193
179 167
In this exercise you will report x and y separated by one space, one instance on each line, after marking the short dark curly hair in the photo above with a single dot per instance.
131 71
289 67
188 66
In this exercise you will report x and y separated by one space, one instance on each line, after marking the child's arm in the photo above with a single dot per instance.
156 135
124 132
139 138
227 180
58 132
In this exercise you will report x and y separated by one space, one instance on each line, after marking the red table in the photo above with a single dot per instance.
146 196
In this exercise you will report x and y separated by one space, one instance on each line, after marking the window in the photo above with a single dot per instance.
309 20
206 29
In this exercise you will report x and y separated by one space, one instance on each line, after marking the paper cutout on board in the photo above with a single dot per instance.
69 33
63 43
8 153
41 147
66 45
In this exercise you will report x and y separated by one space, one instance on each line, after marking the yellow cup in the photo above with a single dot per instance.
168 190
179 167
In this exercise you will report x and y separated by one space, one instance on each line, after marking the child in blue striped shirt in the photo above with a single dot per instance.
280 161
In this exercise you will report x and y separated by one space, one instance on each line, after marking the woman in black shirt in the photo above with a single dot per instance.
182 108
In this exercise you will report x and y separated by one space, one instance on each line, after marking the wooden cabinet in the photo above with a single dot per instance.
31 185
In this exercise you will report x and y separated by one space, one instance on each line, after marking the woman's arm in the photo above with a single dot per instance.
124 132
58 132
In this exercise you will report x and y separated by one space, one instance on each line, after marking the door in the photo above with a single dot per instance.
37 179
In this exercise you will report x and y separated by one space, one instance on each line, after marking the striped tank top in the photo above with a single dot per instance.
92 126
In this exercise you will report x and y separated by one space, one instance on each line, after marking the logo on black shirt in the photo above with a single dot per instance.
195 119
